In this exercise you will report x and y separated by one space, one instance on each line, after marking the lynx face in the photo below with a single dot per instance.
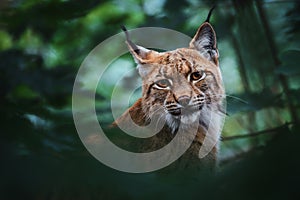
182 84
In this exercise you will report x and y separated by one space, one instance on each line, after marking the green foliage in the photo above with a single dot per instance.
290 63
43 43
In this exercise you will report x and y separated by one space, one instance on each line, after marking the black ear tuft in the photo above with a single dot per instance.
130 43
205 41
140 54
209 14
123 28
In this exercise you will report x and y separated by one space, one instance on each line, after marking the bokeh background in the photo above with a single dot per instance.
44 42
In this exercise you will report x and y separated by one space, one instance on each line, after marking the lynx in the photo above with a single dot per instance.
178 86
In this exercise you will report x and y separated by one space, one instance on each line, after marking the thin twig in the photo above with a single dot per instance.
267 131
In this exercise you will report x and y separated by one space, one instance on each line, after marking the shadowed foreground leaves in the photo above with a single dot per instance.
263 173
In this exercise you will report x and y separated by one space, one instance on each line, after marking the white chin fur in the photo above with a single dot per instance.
173 121
188 119
204 114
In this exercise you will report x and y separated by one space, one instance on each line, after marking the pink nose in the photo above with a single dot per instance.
184 100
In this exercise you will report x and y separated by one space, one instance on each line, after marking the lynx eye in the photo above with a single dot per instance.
162 84
197 76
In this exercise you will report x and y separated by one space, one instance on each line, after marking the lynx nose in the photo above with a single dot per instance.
184 100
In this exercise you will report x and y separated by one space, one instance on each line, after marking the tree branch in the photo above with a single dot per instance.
267 131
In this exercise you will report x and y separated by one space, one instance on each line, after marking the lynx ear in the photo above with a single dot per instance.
140 54
206 43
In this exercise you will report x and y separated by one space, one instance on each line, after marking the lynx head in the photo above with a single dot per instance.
181 84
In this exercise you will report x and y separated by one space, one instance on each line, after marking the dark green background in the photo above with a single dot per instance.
43 43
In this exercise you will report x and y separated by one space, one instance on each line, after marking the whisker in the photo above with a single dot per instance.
149 116
223 111
227 95
158 121
219 108
157 110
237 98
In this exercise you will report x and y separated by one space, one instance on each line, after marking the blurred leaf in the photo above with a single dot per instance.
250 102
289 69
290 57
40 15
6 41
19 68
290 63
295 96
24 92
